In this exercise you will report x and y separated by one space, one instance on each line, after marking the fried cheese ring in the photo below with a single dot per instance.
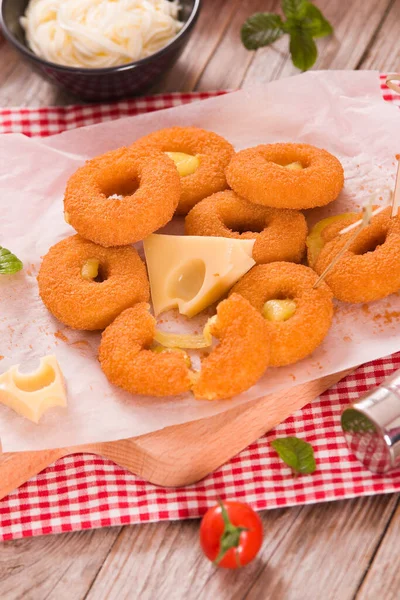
91 303
233 366
259 175
370 268
280 234
212 150
120 197
295 338
128 362
242 355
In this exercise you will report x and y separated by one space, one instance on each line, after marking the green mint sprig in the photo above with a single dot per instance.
296 453
9 263
304 22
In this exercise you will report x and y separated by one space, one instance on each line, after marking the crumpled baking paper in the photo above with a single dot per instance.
341 111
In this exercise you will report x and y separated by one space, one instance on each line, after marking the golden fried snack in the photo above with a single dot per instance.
87 286
297 316
201 157
240 358
280 234
128 362
295 176
120 197
370 268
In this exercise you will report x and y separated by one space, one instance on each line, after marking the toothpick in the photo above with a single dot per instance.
393 86
396 193
362 224
357 223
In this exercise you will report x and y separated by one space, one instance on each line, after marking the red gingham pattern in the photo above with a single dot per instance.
84 492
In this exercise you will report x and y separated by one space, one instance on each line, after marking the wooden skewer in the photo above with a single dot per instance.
396 193
362 224
357 223
393 86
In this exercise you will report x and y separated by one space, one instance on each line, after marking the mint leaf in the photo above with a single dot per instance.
294 9
296 453
261 29
315 23
9 263
302 49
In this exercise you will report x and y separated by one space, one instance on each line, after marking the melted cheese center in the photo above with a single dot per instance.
186 164
279 310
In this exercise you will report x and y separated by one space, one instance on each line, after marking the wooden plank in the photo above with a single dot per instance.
383 577
195 448
384 51
53 567
299 544
203 42
355 24
230 61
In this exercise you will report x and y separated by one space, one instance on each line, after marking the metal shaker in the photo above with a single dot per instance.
372 426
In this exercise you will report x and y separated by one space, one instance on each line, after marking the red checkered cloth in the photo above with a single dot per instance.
84 491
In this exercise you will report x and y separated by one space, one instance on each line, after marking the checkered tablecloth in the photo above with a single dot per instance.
83 491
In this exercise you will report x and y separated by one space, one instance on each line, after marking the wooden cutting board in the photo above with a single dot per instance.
182 454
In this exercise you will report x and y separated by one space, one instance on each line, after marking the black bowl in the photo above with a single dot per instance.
100 84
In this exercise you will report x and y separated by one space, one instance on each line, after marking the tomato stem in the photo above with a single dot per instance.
230 537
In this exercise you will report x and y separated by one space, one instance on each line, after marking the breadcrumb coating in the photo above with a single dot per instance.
370 269
242 355
293 339
84 304
213 151
128 362
280 234
258 175
148 182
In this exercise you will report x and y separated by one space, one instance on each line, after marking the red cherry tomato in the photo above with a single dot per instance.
231 534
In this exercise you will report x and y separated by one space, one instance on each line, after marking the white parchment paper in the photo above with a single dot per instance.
341 111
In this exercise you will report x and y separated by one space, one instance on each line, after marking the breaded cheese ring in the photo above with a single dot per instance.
128 362
86 303
240 358
280 234
148 182
259 175
297 337
212 150
370 268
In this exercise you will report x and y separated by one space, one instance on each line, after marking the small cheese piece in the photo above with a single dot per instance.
186 164
32 394
191 272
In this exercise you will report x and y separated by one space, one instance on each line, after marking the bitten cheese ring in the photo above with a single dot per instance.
213 154
233 366
370 268
148 183
293 338
240 358
128 362
259 175
87 286
280 234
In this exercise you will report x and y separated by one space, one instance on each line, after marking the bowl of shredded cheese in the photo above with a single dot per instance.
100 49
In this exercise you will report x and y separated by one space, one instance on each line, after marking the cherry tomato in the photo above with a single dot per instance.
231 534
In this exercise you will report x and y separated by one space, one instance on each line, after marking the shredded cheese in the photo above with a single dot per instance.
99 33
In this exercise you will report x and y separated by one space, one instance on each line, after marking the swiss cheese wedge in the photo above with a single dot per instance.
192 272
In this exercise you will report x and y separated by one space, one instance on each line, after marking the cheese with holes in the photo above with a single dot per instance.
32 394
192 272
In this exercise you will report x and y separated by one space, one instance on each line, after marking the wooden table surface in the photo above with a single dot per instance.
336 551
